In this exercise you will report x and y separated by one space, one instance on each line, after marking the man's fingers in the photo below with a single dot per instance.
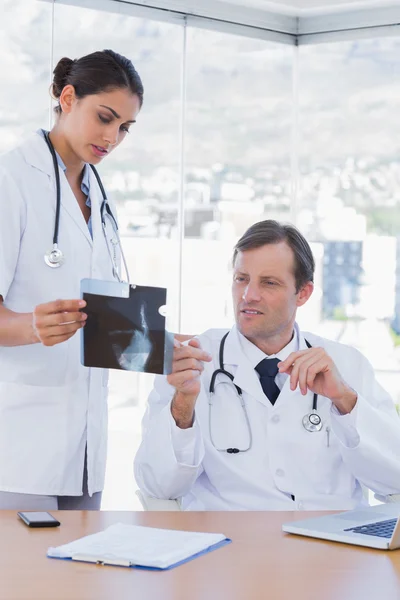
195 343
311 375
187 364
305 366
294 375
191 351
311 371
190 381
305 370
298 370
179 379
183 337
285 365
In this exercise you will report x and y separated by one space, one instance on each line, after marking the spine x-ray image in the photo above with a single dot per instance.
126 332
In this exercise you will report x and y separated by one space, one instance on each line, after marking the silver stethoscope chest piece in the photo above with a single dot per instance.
312 422
54 258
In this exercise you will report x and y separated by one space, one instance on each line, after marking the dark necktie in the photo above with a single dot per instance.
268 369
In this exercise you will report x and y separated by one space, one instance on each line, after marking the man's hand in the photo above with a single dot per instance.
183 337
314 370
57 321
187 367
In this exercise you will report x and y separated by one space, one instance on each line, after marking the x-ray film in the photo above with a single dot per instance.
125 328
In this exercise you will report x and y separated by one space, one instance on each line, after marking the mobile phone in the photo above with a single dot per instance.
38 519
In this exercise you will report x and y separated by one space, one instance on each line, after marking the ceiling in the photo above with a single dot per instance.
313 7
287 21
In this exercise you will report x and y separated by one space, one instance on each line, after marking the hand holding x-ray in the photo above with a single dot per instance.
187 367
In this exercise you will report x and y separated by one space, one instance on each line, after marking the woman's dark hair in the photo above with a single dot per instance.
272 232
94 73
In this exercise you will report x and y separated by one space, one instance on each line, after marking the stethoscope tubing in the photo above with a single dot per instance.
307 423
105 209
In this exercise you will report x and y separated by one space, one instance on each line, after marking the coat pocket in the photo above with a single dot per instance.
38 431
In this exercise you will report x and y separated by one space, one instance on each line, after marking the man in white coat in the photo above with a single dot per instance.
293 421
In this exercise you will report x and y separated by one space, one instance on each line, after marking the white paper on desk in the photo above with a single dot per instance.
142 546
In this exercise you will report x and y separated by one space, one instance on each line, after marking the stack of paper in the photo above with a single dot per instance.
148 547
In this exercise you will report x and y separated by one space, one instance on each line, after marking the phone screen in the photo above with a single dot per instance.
38 518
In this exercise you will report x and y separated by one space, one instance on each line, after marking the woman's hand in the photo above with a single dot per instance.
57 321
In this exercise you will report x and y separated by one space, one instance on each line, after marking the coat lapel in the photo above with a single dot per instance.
238 364
71 206
287 396
100 252
37 154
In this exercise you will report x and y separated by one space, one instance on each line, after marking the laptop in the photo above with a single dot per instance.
372 526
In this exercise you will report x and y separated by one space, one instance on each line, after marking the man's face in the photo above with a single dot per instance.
264 292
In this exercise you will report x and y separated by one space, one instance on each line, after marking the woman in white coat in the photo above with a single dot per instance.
268 449
53 411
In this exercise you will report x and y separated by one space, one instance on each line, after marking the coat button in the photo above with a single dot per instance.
276 419
280 473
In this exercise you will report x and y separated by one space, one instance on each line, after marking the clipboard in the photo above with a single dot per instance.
140 547
125 328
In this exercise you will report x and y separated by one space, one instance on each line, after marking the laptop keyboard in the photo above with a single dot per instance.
382 529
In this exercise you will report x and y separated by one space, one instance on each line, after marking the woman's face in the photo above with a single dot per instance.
96 124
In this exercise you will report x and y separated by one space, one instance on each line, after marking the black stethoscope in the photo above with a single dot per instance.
311 421
55 257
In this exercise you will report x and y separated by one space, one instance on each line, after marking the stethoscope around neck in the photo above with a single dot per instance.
55 257
311 421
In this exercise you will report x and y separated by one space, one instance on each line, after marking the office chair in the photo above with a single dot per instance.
154 504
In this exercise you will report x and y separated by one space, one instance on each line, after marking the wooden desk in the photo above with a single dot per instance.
261 563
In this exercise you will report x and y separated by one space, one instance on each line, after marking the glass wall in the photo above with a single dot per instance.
25 72
349 101
238 154
142 175
237 160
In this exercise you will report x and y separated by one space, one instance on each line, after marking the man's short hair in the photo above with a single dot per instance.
271 232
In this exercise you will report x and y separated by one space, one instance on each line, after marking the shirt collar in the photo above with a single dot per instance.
255 355
85 185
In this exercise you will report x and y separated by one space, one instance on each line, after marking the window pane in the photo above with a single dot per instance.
24 96
349 106
142 177
238 136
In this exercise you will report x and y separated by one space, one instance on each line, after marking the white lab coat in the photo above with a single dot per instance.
285 459
51 406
